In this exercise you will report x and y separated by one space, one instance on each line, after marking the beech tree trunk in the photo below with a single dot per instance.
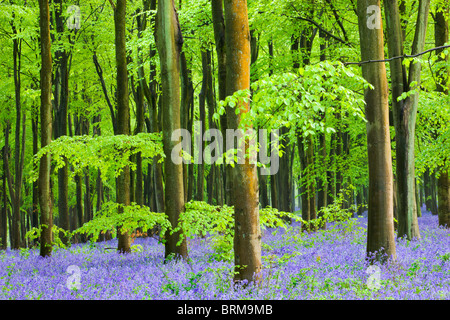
15 183
404 112
219 37
283 178
187 92
3 209
123 113
61 102
247 232
46 129
169 42
443 184
35 200
306 215
380 237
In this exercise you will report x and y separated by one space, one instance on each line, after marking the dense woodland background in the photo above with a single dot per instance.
103 98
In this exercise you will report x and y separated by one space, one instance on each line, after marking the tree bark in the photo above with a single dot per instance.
263 196
443 185
46 129
15 184
404 111
123 113
187 92
380 237
35 199
311 189
140 93
219 37
201 129
303 182
169 42
444 199
3 214
284 175
60 124
247 233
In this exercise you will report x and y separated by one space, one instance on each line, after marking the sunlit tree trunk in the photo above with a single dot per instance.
380 238
247 233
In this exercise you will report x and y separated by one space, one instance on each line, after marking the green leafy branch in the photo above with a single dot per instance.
107 153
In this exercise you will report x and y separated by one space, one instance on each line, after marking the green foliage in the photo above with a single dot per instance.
335 212
445 257
203 219
137 248
272 218
433 132
132 217
110 154
294 100
57 232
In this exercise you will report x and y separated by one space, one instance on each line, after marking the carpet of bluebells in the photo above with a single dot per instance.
320 265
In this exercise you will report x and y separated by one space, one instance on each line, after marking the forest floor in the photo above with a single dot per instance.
321 265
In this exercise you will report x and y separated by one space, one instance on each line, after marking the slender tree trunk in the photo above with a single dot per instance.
123 113
273 185
15 184
18 164
35 200
427 189
169 42
380 237
404 111
212 187
306 215
3 214
284 175
61 102
311 189
46 129
87 180
186 94
79 208
331 173
322 184
219 37
418 211
201 130
264 199
338 151
140 93
394 200
99 181
444 199
321 180
157 166
433 192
